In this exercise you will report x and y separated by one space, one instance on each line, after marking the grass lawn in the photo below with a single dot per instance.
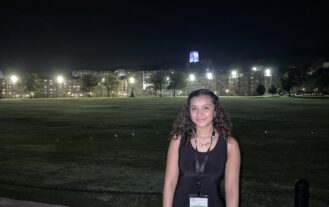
119 145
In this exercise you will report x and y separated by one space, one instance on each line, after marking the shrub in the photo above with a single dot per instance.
260 90
272 89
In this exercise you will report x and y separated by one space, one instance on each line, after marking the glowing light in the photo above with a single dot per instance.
191 77
254 68
168 78
234 74
14 79
268 72
131 80
60 79
209 76
227 90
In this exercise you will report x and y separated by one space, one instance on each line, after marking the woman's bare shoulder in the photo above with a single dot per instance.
232 144
175 140
232 140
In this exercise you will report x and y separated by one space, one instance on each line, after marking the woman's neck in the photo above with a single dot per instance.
204 132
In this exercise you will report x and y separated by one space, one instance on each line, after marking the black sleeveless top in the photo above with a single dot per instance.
210 179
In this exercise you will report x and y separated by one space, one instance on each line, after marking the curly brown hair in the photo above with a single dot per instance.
184 127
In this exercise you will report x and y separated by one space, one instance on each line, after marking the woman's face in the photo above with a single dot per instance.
202 111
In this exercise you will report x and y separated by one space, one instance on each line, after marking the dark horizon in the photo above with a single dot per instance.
46 37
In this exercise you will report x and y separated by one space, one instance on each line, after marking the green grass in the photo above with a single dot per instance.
120 144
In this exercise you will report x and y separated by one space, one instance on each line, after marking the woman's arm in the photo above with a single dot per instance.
232 173
172 171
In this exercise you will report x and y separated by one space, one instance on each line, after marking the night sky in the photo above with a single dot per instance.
48 36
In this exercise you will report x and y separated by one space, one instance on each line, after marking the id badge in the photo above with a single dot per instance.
198 201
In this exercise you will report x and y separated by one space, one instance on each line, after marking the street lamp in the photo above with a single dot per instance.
251 77
13 79
226 91
132 81
268 72
60 80
191 77
268 77
234 74
235 82
209 75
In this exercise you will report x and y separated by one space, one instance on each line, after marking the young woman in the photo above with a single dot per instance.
201 152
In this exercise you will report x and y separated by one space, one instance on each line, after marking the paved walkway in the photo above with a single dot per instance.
6 202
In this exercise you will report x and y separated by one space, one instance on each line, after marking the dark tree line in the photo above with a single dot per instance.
293 80
171 80
88 82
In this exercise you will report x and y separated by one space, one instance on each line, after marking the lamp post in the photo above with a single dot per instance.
191 79
251 78
234 74
60 81
268 77
227 91
168 80
268 72
100 85
13 81
234 80
209 77
132 82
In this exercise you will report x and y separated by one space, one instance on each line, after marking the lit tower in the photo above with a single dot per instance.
194 57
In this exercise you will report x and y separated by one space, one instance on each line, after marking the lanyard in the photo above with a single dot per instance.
199 167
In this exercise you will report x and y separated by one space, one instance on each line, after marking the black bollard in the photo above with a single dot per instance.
301 193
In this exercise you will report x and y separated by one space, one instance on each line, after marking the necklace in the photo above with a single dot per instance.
207 143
